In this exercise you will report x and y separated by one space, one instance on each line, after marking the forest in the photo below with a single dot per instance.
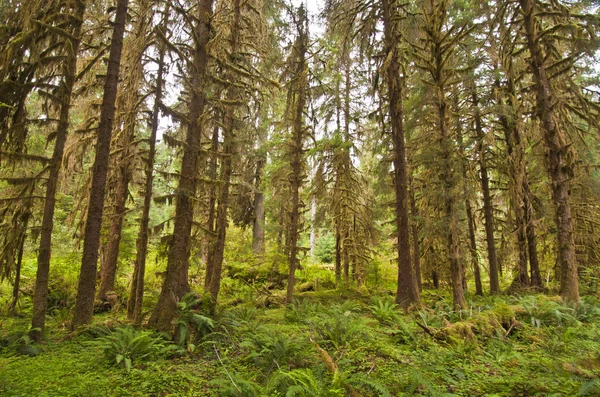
299 198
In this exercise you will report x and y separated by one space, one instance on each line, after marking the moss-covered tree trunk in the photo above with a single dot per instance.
174 287
488 206
40 296
559 155
86 289
407 291
136 294
299 95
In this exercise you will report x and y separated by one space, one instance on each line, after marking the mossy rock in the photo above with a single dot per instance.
487 324
504 313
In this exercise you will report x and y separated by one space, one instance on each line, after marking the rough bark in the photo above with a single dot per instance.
559 156
534 264
40 296
298 132
488 207
338 258
258 226
15 294
229 139
172 289
212 203
136 295
407 291
84 304
470 217
415 236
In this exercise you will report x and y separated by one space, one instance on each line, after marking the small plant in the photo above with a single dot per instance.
301 310
126 345
236 385
341 328
543 311
19 343
384 310
191 323
270 350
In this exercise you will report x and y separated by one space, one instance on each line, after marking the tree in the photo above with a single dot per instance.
136 295
296 104
175 286
64 94
128 105
407 291
548 65
84 304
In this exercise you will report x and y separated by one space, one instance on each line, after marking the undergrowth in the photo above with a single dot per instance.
330 343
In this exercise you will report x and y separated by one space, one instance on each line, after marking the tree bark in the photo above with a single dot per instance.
212 203
136 295
415 236
15 294
488 208
173 288
470 216
84 303
229 140
296 177
407 292
40 296
559 155
258 227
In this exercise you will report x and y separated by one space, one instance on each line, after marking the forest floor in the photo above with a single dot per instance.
328 343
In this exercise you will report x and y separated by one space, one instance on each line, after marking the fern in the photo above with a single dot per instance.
191 325
126 345
591 388
384 310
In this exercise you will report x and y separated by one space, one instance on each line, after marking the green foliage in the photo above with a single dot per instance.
268 350
303 383
126 345
19 343
384 310
234 385
191 325
302 310
325 248
341 327
591 388
542 311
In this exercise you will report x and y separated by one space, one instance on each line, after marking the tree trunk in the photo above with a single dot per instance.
15 294
346 259
215 257
136 295
415 236
338 258
297 149
468 208
487 200
84 304
258 227
212 203
534 264
172 289
108 265
407 292
40 296
559 157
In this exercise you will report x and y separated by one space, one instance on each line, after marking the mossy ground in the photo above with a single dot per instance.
552 350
